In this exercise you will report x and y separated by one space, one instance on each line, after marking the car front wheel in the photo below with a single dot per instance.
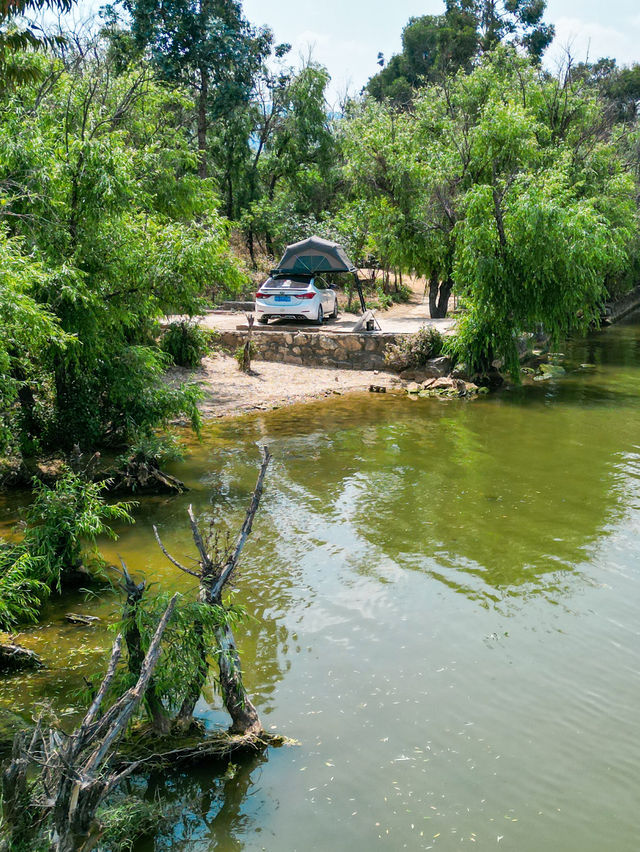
263 320
335 309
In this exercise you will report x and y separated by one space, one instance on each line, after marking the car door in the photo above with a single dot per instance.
325 295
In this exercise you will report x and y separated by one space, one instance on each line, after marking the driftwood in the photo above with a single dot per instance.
74 772
15 658
85 620
144 477
214 574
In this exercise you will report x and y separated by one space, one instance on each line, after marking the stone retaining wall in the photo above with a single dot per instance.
349 351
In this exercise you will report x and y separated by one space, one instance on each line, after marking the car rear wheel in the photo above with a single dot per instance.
320 316
263 320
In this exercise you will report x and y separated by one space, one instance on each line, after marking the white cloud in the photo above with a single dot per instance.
594 40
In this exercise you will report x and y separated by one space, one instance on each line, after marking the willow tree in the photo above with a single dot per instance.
19 33
507 186
99 195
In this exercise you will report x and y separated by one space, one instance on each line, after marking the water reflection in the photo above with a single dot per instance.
201 809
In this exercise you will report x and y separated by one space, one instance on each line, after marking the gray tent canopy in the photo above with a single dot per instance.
314 255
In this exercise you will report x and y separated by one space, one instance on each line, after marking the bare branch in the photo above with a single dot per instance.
116 653
170 558
229 567
205 559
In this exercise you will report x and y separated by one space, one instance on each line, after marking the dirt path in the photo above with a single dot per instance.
228 392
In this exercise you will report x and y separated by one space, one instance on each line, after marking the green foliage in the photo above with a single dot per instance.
156 449
105 233
500 184
437 46
18 35
181 659
187 342
62 526
126 820
64 523
414 350
241 356
30 330
21 592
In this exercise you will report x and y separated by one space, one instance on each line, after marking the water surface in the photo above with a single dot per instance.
446 617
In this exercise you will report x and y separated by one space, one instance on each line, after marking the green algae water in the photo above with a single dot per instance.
446 601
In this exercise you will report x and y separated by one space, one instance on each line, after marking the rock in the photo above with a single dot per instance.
461 371
552 371
491 379
15 658
437 367
444 383
352 344
413 387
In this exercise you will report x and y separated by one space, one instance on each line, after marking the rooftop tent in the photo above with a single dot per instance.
314 255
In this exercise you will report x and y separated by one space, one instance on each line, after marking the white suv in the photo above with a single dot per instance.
296 296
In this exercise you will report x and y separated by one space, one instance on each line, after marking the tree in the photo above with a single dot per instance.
207 46
99 195
432 47
16 38
437 46
505 185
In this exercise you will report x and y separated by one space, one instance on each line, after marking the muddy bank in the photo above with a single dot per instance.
228 392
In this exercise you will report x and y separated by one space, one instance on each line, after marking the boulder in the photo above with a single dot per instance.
437 367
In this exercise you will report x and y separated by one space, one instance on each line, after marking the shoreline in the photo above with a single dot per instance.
270 385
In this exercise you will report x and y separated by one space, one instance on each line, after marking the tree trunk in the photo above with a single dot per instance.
244 716
434 283
202 123
194 689
160 719
443 298
439 297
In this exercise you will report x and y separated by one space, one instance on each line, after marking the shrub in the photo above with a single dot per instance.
240 356
187 343
414 350
63 520
21 593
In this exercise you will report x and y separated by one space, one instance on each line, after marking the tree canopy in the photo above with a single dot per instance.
434 46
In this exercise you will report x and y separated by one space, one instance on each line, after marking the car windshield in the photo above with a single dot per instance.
295 282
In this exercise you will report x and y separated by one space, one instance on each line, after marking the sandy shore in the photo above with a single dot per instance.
228 392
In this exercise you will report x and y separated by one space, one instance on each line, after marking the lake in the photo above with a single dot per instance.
445 617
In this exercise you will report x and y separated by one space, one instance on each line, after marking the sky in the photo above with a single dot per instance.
346 35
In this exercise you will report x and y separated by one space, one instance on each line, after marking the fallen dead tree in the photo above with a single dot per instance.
54 782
